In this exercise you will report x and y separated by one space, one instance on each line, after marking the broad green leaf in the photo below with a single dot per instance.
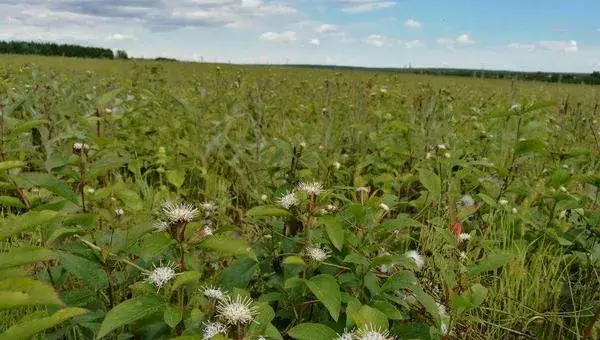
239 273
271 332
267 211
88 271
265 315
175 177
294 260
26 126
27 329
18 292
129 312
400 280
530 146
153 244
185 278
427 302
389 310
128 197
431 182
470 299
559 177
50 183
102 166
20 223
312 331
60 233
7 165
335 230
327 290
228 245
491 262
25 255
172 316
11 202
369 316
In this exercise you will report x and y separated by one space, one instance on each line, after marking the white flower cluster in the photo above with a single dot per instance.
213 328
316 254
238 311
160 276
416 257
179 212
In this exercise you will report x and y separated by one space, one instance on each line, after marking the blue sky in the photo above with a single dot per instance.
517 35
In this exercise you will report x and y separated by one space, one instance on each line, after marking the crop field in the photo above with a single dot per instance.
167 200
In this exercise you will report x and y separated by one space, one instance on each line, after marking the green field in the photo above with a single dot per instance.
163 200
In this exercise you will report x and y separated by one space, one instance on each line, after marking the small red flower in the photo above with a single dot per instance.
457 229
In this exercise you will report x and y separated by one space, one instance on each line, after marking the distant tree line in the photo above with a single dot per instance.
555 77
54 49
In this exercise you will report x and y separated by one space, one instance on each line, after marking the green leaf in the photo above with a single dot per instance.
327 290
427 302
88 271
185 278
400 280
25 255
52 184
369 316
271 332
530 146
60 233
265 315
294 260
102 166
175 177
129 312
312 331
431 182
27 329
228 245
239 273
470 299
389 310
7 165
20 223
559 177
153 244
128 197
335 230
267 211
492 262
18 292
26 127
172 316
11 202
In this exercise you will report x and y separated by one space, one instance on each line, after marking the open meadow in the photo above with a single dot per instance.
167 200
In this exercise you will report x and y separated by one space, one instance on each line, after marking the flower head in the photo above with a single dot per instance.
179 212
119 212
384 207
160 276
208 207
441 309
462 256
462 237
370 332
80 146
207 231
441 146
213 293
264 198
236 311
160 226
213 328
311 189
345 336
316 254
337 165
416 257
503 201
288 200
467 201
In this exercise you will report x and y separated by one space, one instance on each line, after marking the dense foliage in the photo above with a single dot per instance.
54 49
154 200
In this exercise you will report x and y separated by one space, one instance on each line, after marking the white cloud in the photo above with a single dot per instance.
315 42
376 40
413 44
361 6
412 23
326 29
119 37
547 45
287 37
464 39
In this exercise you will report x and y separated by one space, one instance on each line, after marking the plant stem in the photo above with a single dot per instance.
117 257
587 331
